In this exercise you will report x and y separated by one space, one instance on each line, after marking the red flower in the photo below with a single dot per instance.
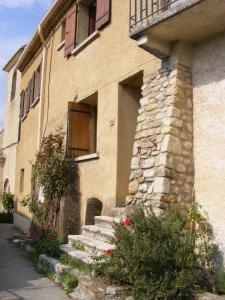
127 222
109 251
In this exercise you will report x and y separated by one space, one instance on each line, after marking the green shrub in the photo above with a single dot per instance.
221 283
7 200
6 218
156 256
68 281
48 244
74 263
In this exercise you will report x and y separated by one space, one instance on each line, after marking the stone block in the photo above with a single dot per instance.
180 168
143 187
148 163
173 122
162 185
171 144
149 173
133 187
135 163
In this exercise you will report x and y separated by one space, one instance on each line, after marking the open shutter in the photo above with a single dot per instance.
70 30
32 89
78 132
103 13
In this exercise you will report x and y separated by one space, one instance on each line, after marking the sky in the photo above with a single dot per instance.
18 21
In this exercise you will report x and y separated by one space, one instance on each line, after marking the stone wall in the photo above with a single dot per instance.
162 165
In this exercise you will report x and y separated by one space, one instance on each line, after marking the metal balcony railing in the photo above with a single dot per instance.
141 10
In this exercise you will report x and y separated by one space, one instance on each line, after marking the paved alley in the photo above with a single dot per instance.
18 279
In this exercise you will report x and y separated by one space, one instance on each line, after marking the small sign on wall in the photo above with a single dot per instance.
41 197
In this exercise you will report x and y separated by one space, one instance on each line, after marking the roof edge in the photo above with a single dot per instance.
14 59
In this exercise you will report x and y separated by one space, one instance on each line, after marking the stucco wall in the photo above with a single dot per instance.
100 67
27 147
209 128
106 61
1 163
11 120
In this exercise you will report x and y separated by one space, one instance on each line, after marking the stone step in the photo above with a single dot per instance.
82 256
98 233
107 222
90 245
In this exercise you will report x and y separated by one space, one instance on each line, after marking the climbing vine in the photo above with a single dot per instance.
53 174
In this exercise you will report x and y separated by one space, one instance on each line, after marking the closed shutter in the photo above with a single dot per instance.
78 132
32 89
27 98
70 31
103 13
22 104
39 79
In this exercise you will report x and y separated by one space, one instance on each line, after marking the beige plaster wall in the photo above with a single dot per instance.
1 163
11 120
27 147
106 61
209 128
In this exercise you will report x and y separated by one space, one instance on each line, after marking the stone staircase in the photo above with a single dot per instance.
94 240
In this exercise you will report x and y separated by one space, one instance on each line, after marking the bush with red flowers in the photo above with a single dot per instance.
156 257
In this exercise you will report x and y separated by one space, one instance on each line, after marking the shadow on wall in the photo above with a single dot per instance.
94 208
207 66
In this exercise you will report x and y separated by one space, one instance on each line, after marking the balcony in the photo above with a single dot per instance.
156 24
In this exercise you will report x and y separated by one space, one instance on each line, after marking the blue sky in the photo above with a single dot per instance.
18 20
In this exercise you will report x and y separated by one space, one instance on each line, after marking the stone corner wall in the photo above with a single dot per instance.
162 165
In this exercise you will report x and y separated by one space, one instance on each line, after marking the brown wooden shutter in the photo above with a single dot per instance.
78 132
70 30
39 79
27 99
32 89
21 105
103 13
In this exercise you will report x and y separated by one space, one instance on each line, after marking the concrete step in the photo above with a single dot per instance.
82 256
107 222
91 245
98 233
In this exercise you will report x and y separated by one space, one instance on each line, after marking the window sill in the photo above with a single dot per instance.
86 42
35 102
87 157
61 46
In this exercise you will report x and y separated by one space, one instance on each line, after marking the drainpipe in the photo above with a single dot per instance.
44 56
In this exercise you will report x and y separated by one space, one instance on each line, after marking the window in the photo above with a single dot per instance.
63 31
21 180
13 88
84 19
82 129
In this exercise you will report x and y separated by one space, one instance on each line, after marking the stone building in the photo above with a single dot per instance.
142 106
